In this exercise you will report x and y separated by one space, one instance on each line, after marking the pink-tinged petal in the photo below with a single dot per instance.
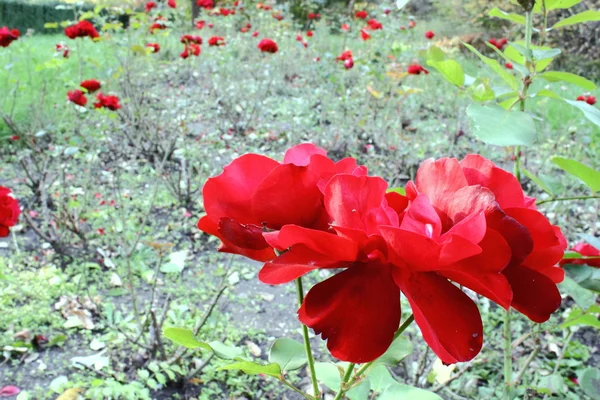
472 228
289 196
439 180
420 253
229 194
300 154
421 218
448 318
359 202
292 264
246 236
482 273
467 201
548 248
207 225
534 294
357 311
329 244
505 186
9 391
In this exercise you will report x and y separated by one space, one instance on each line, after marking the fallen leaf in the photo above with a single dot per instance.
70 394
25 334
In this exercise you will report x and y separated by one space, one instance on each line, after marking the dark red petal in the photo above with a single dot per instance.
229 194
208 225
289 196
397 202
448 318
534 294
358 202
246 236
300 154
482 273
357 311
505 186
516 235
292 264
335 247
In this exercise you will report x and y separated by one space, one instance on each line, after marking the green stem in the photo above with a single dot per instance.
346 385
526 82
309 356
344 381
507 357
566 199
545 16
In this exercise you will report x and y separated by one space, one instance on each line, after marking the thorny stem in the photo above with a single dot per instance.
566 199
309 356
346 385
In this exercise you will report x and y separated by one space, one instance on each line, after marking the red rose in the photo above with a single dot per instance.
267 46
149 6
9 211
346 55
244 29
255 194
77 97
364 35
185 53
412 23
416 69
8 36
298 38
309 33
498 43
345 27
157 26
195 48
224 12
81 29
64 49
91 85
191 39
374 24
216 41
206 4
508 65
200 24
361 14
429 35
110 102
349 63
255 34
154 46
586 250
172 3
591 100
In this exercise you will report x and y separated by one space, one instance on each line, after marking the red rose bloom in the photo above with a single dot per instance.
498 43
81 29
8 36
256 194
309 33
9 211
64 49
91 85
216 41
172 3
195 49
298 38
200 24
110 102
586 250
157 26
77 97
591 100
416 69
374 24
154 46
224 12
429 35
206 4
412 24
345 27
349 63
361 14
508 65
267 46
346 55
364 35
255 34
149 6
186 39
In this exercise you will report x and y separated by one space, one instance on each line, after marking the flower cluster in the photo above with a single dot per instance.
464 223
78 96
7 36
106 101
81 29
347 58
9 211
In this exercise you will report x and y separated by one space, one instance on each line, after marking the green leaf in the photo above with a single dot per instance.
498 69
588 175
225 352
586 16
578 317
537 181
288 353
400 391
51 25
185 338
589 380
571 254
552 383
556 76
542 53
329 375
496 12
587 277
590 112
252 368
555 5
360 391
400 348
583 297
546 93
494 125
399 190
176 262
482 92
450 70
380 378
435 53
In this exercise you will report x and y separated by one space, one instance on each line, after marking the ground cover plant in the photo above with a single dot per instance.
403 207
